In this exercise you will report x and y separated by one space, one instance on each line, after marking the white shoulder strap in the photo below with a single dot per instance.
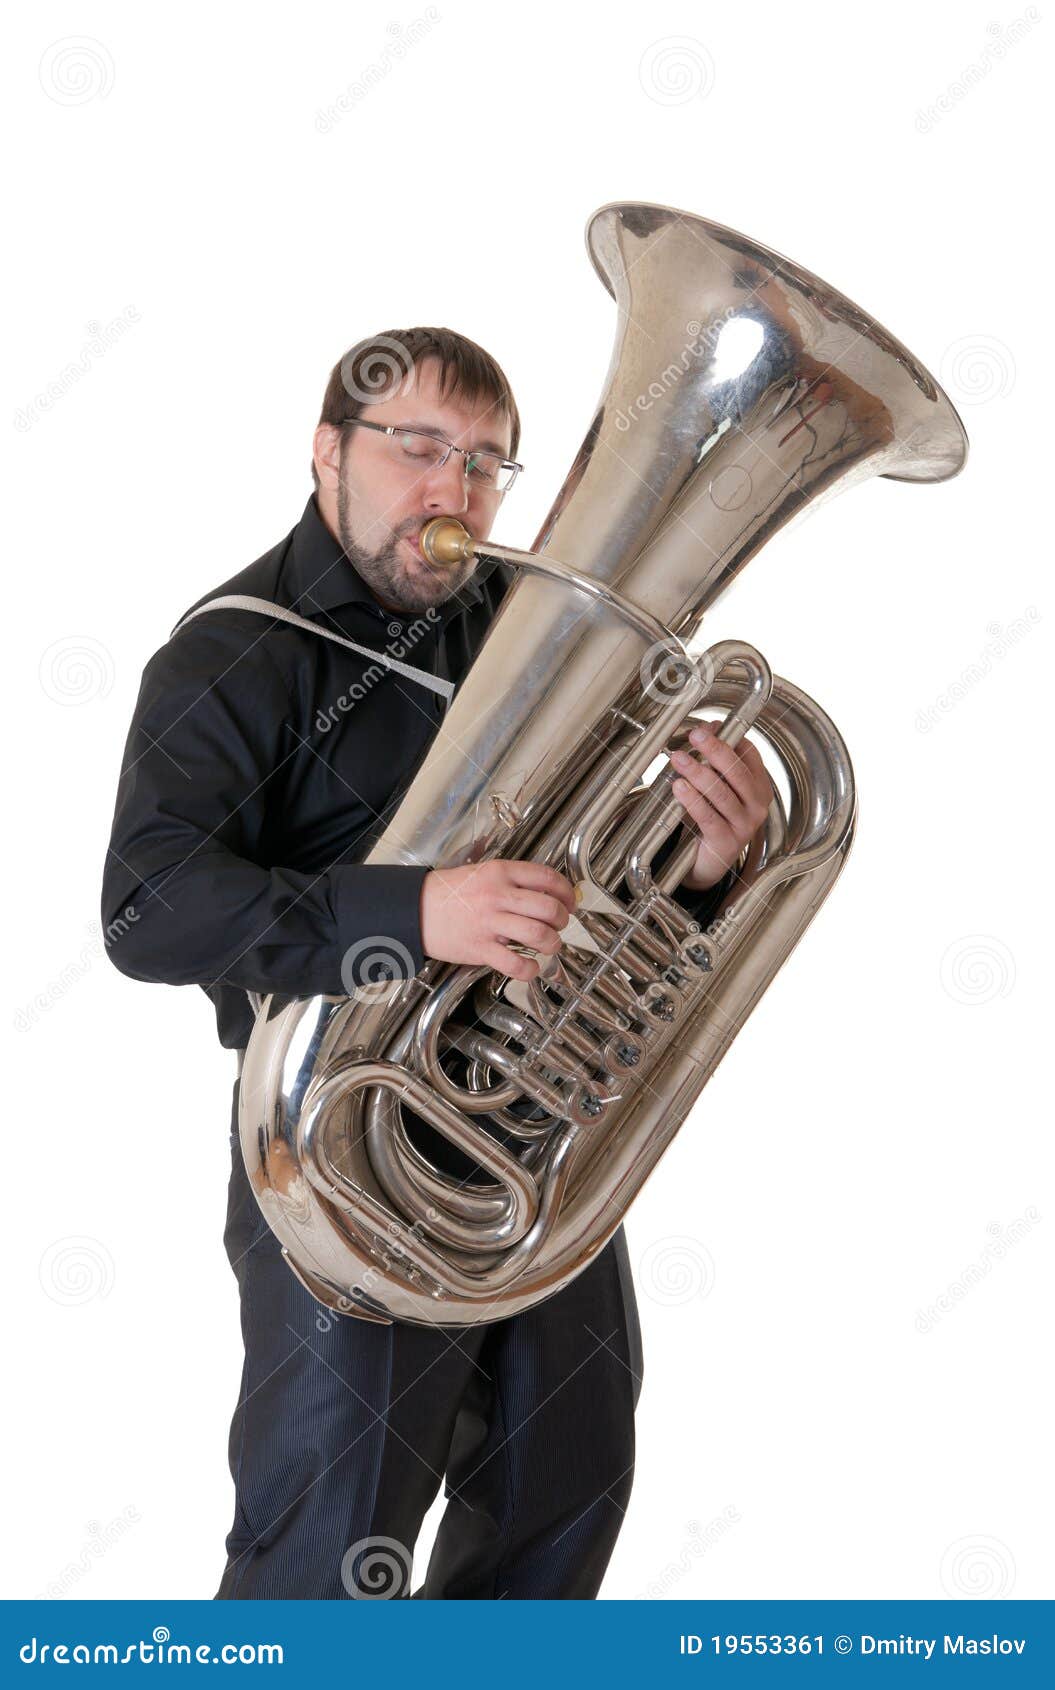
239 601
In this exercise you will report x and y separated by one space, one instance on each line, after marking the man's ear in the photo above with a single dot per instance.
326 452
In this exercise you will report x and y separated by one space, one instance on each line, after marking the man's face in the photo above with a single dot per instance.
376 501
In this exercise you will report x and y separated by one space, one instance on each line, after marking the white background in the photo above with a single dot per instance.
875 1140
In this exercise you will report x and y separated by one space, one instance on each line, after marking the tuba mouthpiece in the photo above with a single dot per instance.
445 541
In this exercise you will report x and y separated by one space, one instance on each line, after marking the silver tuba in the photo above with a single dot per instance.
741 390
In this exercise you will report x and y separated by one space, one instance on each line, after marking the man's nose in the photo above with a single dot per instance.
446 488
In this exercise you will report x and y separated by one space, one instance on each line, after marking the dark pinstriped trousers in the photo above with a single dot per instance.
344 1432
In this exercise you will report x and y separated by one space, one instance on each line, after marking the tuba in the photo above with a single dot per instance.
741 390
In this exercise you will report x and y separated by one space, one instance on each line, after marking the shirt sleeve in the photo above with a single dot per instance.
188 895
702 905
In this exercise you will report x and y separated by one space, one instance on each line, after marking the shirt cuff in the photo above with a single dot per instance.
378 912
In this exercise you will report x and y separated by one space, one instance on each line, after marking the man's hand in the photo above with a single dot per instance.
728 797
469 914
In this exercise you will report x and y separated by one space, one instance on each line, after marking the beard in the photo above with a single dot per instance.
398 582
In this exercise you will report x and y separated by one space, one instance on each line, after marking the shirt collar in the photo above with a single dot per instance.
324 579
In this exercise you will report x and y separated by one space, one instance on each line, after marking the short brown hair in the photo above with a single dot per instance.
371 367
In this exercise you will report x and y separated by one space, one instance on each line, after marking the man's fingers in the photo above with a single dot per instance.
509 962
539 877
704 780
705 814
537 935
742 770
539 906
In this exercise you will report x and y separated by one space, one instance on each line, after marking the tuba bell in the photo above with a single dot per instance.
741 391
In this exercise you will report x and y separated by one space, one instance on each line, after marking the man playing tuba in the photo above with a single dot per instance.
260 765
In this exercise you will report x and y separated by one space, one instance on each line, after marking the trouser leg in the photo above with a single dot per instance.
542 1459
341 1433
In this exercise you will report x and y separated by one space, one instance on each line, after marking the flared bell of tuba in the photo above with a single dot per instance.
741 391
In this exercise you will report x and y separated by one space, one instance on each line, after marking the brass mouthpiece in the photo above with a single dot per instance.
445 541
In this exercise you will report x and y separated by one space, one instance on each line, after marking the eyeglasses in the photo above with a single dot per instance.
413 448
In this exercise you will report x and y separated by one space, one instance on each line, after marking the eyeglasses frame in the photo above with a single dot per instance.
393 429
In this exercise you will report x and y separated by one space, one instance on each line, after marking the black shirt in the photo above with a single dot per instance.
250 791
